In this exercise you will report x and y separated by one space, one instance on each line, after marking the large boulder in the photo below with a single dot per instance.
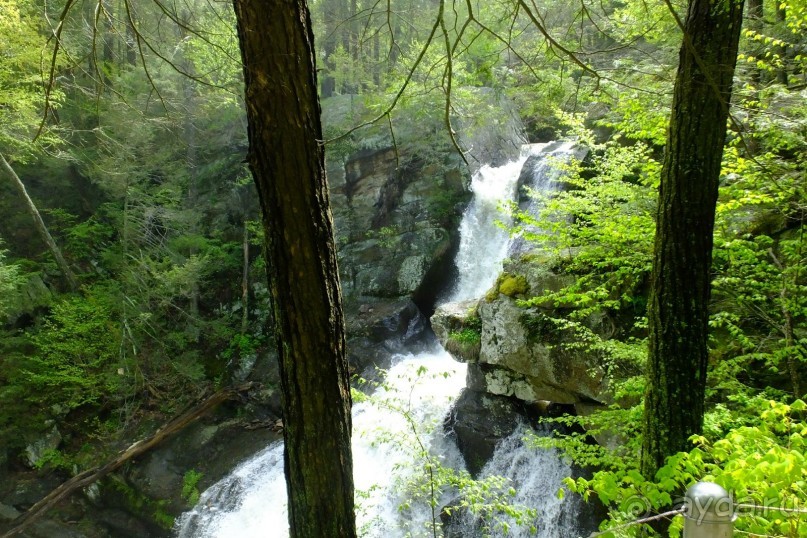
478 421
527 356
521 352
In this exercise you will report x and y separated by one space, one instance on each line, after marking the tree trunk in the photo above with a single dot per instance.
337 27
781 18
40 226
288 166
245 282
679 299
755 15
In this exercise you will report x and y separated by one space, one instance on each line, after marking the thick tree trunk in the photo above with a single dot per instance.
288 166
678 311
40 226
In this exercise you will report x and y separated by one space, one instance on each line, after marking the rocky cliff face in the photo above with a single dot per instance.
396 231
397 213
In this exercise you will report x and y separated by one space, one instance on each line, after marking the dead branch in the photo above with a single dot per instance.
139 448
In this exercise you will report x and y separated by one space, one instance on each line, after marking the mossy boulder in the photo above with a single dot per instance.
459 328
513 285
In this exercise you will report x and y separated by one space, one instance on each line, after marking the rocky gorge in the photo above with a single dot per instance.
397 219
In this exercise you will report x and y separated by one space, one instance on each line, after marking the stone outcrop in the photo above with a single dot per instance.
522 352
478 422
396 215
390 229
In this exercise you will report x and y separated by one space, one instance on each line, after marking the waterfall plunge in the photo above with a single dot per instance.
251 501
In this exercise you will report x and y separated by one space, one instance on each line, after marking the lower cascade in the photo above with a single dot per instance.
398 435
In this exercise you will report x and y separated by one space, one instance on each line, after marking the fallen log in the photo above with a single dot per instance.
138 448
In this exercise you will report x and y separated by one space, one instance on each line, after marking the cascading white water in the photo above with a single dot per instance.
483 244
413 398
536 476
403 414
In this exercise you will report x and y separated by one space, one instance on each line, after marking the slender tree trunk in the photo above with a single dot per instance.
679 300
40 226
109 37
192 166
781 18
245 282
131 41
755 15
288 166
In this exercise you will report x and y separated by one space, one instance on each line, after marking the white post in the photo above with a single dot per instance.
709 512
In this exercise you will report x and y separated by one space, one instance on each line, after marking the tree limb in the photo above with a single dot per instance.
138 448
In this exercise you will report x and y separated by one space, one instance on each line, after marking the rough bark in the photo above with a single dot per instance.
679 299
40 226
287 162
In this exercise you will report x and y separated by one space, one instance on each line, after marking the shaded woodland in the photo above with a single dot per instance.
135 246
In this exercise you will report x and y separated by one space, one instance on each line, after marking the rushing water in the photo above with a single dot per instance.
483 243
400 424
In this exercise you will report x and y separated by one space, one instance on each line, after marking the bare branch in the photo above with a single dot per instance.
400 91
57 34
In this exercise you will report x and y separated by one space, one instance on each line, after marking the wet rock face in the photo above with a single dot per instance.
478 421
381 328
394 222
521 353
397 207
528 357
396 229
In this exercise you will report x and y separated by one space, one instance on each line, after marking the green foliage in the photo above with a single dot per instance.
431 482
466 336
765 304
139 503
388 236
77 361
761 464
775 50
600 228
190 486
466 342
10 279
23 97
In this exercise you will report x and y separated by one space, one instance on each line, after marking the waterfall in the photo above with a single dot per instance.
483 243
416 393
401 423
537 475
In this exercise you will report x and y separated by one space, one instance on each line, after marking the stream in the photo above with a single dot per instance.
400 424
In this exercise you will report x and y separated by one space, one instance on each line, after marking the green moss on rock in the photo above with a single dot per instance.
512 285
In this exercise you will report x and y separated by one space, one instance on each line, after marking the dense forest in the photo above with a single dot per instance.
238 214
